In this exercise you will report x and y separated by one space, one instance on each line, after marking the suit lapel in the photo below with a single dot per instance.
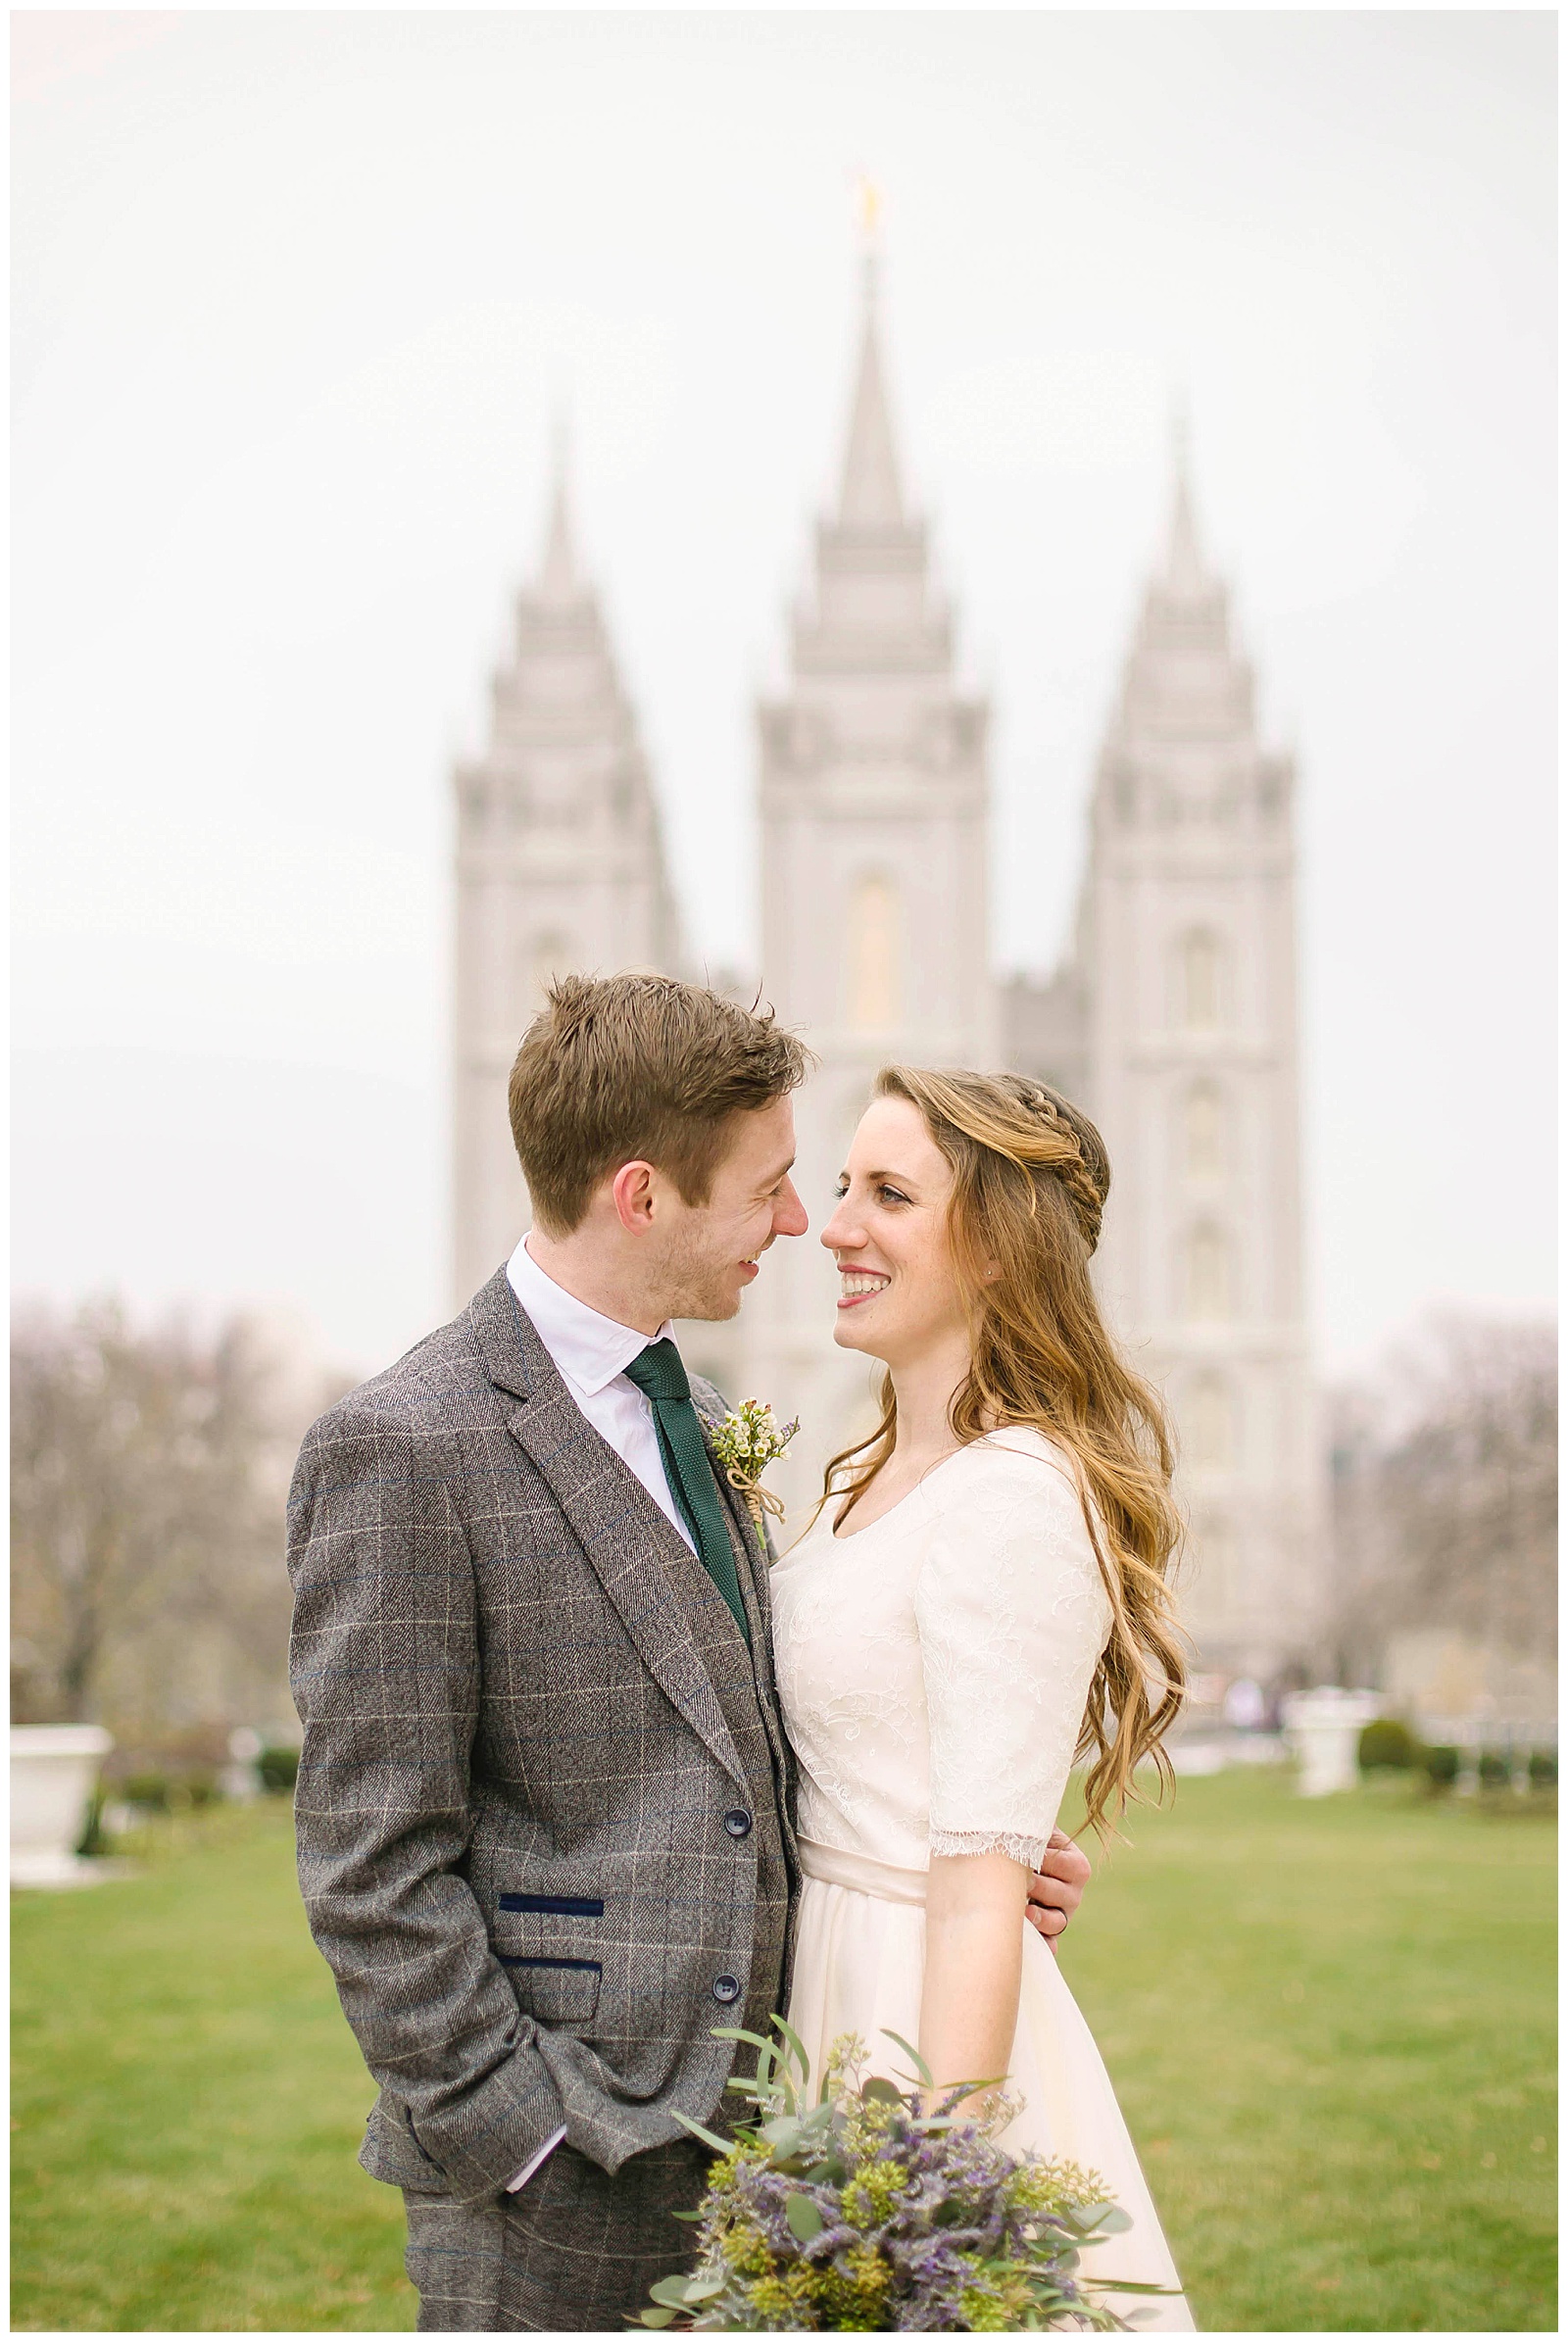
752 1566
630 1544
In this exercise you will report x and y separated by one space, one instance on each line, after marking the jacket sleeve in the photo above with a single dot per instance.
384 1665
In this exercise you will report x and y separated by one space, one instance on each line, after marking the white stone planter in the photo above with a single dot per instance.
54 1771
1322 1729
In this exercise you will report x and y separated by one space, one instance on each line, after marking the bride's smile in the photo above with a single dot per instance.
898 1295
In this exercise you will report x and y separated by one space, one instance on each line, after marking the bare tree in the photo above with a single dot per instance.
1444 1477
148 1475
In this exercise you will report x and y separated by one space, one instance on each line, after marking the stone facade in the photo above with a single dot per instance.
1172 1017
1174 1021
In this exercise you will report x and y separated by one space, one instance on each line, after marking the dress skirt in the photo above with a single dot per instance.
860 1959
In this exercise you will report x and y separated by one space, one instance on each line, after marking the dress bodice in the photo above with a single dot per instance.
934 1667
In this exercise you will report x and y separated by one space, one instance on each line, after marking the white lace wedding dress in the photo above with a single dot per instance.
934 1670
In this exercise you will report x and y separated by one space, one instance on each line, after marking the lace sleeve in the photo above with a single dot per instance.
1013 1618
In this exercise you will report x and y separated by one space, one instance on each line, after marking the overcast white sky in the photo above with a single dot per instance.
295 299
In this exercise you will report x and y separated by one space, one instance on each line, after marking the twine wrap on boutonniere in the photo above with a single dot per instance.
746 1443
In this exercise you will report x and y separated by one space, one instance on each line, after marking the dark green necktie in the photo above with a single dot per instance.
659 1374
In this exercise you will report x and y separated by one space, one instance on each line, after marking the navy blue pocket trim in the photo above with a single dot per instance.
563 1906
528 1960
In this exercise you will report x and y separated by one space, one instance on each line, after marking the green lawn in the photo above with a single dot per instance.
187 2103
1330 2025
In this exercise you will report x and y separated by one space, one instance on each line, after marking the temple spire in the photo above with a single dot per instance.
560 583
1185 572
870 497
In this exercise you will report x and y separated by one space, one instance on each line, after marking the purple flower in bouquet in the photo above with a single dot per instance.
872 2212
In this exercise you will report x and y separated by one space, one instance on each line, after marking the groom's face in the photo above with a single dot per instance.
713 1247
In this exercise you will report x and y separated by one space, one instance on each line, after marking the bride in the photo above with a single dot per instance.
981 1600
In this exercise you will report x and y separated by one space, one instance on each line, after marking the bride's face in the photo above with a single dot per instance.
897 1296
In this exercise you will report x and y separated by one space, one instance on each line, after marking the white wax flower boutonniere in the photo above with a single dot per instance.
746 1443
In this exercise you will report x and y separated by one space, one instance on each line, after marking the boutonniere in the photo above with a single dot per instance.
746 1443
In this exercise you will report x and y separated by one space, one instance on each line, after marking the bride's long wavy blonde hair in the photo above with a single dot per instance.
1030 1177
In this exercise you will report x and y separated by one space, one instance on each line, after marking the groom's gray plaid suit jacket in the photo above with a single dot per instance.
535 1813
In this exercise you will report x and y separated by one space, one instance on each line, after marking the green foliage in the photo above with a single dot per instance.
92 1840
1442 1766
1543 1768
1494 1770
149 1789
279 1768
1387 1742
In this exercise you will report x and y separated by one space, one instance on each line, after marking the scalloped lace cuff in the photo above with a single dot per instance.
1027 1850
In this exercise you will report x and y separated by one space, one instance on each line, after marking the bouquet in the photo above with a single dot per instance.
866 2214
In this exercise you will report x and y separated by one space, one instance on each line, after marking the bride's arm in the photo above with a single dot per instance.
974 1906
1012 1618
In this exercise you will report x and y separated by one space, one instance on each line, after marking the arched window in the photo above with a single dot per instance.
1203 1132
1210 1424
875 950
1208 1273
1201 979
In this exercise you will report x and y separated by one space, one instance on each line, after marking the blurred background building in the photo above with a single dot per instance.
1173 1019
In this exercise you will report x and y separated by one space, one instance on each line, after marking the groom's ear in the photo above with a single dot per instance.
633 1193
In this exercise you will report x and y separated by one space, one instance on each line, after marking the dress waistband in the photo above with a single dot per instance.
860 1874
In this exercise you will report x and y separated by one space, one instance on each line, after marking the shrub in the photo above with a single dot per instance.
92 1839
279 1770
1385 1743
147 1788
1493 1768
1443 1767
1543 1768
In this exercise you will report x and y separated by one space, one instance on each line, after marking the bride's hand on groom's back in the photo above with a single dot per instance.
1057 1887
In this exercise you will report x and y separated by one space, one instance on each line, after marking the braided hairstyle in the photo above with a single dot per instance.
1030 1178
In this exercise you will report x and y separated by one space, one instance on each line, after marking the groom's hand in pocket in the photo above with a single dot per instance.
1057 1887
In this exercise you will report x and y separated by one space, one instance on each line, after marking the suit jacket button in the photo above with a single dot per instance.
738 1823
726 1988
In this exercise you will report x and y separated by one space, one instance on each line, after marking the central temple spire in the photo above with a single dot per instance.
1184 571
870 497
560 584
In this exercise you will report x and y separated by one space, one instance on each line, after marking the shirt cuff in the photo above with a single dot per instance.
528 2169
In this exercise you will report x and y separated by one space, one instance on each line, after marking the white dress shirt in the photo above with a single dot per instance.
590 1354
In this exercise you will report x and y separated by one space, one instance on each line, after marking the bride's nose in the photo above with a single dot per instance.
842 1233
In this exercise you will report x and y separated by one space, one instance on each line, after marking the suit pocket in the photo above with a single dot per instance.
555 1991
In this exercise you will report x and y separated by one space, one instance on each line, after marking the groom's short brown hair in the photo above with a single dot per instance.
620 1068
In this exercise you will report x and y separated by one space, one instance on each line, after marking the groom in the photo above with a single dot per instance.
544 1803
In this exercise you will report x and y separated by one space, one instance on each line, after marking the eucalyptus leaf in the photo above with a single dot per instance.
671 2291
798 2046
879 2093
803 2217
913 2055
719 2145
703 2289
658 2318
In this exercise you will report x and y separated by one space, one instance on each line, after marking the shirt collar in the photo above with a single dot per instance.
590 1350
